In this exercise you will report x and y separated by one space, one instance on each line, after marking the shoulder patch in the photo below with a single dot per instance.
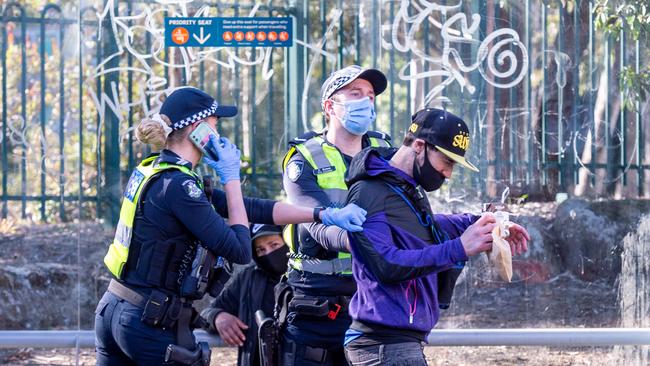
294 170
132 186
192 189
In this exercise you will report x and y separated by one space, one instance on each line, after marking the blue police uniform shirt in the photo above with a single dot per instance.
174 206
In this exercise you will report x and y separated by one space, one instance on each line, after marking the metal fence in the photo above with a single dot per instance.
537 83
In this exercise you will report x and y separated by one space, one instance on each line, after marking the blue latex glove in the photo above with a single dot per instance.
227 167
349 218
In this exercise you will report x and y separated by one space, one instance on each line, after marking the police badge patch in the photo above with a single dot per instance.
192 189
132 186
294 170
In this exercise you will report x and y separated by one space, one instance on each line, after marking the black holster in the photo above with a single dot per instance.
269 339
200 356
309 305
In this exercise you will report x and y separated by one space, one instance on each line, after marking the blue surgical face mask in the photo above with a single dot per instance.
359 115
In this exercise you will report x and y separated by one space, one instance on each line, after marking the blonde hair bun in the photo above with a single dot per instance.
154 131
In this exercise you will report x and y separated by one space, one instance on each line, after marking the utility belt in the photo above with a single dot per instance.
167 311
276 351
319 306
159 309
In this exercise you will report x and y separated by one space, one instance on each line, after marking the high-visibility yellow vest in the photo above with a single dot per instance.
329 167
118 251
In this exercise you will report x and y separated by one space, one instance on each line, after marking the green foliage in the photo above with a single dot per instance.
631 18
34 128
636 86
520 200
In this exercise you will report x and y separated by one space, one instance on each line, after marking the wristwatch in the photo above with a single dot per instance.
317 211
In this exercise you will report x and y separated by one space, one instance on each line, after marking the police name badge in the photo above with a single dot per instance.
192 189
294 170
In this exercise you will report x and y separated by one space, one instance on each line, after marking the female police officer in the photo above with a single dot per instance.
145 316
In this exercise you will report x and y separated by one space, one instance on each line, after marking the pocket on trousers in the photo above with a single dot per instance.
101 306
364 356
130 322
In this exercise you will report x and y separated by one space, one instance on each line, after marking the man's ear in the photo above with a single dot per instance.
328 108
418 145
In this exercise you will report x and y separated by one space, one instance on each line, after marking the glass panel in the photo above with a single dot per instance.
555 105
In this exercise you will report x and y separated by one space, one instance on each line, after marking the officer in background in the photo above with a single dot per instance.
232 313
313 302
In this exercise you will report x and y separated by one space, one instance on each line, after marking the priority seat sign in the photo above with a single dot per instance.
229 32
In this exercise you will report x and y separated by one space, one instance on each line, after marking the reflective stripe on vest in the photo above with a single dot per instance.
118 251
329 169
340 265
323 266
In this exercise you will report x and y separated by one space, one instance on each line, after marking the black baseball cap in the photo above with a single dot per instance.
260 230
187 105
445 131
340 78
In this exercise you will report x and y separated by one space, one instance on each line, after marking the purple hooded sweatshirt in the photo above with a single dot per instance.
399 255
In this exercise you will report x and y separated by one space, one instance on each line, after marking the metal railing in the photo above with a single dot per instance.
560 337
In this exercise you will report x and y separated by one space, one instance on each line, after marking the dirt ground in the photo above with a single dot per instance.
436 356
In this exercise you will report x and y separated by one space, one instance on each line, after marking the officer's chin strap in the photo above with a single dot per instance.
186 352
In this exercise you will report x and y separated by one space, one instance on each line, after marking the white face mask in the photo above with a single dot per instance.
359 115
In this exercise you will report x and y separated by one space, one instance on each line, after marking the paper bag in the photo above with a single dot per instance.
500 256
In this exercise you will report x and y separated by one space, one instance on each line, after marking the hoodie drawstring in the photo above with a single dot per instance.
414 306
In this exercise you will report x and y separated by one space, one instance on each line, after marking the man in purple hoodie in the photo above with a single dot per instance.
406 259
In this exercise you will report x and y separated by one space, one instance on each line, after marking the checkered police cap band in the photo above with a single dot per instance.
196 117
188 105
347 75
337 81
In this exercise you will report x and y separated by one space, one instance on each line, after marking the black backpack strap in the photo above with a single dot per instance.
438 234
302 138
379 135
283 295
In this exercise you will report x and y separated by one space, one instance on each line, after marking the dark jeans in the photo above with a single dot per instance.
122 339
396 354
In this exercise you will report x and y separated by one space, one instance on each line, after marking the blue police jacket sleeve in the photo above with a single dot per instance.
302 189
192 208
259 210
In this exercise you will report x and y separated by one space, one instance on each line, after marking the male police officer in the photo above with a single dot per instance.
314 174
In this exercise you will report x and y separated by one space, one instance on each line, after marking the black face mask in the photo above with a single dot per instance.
427 176
275 263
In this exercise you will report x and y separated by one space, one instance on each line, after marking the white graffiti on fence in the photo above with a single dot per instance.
335 15
491 55
146 21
